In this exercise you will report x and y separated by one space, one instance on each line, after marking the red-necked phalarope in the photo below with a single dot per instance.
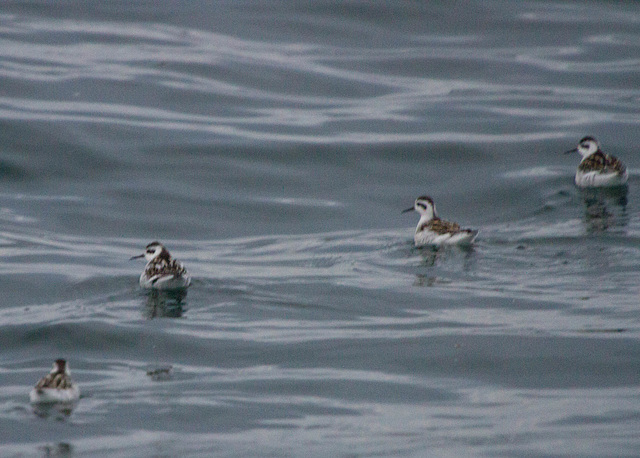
56 386
162 271
598 169
432 230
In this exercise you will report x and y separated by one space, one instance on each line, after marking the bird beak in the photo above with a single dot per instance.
574 150
408 210
136 257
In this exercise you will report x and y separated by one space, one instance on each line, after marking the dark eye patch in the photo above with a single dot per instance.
421 205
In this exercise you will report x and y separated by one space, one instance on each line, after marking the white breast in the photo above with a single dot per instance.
594 179
165 282
52 395
427 237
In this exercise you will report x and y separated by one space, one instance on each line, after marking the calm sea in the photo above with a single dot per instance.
271 146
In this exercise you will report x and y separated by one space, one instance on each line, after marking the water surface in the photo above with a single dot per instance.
272 146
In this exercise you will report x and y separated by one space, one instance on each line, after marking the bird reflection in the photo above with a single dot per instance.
55 410
59 449
160 372
444 263
426 280
605 208
430 255
436 254
164 304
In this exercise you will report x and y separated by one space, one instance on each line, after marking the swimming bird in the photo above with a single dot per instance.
598 169
432 230
162 271
56 386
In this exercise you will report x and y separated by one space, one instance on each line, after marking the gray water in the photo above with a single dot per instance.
272 145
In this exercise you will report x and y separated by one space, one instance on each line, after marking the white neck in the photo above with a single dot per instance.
586 152
427 215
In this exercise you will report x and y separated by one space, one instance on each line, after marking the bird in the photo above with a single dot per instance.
56 386
597 169
162 272
432 230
